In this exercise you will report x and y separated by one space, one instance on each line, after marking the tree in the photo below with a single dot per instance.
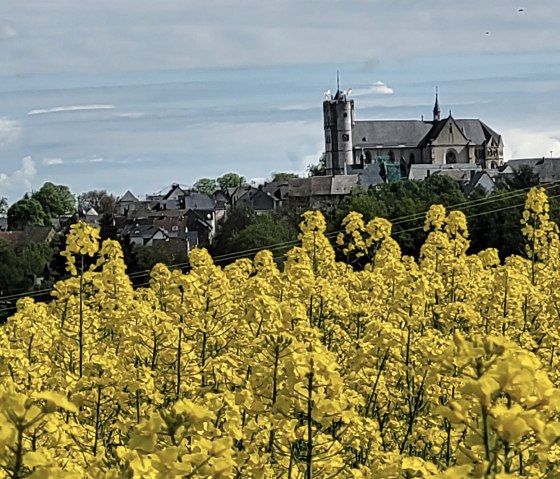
27 211
56 200
231 180
206 186
264 231
319 168
99 200
3 205
283 177
238 218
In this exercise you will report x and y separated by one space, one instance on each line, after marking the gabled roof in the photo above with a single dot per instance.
415 133
478 179
128 197
438 127
175 189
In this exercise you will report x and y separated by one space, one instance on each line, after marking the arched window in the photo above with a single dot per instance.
368 157
392 156
451 157
411 159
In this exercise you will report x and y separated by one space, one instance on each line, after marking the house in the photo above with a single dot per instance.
548 169
480 179
320 192
144 235
352 144
259 200
126 203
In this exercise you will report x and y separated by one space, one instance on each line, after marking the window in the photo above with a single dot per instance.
411 159
392 156
174 228
345 137
345 115
328 139
451 157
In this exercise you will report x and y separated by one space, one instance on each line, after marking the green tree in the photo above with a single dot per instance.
206 186
148 256
56 200
99 200
407 200
283 177
264 231
319 168
231 180
238 218
27 211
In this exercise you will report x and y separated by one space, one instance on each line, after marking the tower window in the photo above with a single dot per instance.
345 137
450 157
345 115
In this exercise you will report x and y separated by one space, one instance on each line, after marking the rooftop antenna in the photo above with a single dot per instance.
337 80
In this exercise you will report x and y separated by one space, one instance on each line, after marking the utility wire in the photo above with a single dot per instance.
242 254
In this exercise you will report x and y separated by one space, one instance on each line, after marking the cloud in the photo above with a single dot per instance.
7 32
9 131
519 143
378 88
52 161
20 179
133 115
72 108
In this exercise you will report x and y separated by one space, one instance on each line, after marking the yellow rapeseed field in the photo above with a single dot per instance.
441 367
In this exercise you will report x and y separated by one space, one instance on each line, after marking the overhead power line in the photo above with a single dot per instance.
249 252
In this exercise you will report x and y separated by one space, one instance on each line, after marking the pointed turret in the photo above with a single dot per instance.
437 111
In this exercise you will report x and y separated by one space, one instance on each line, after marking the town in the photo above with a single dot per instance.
359 155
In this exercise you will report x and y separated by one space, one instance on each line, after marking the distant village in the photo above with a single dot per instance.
359 154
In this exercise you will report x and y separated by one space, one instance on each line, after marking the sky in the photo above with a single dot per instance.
138 94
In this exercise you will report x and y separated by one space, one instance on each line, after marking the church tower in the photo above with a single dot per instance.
338 117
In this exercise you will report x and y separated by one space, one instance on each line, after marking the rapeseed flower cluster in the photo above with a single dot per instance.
445 366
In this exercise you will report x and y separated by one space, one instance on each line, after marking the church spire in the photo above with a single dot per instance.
437 111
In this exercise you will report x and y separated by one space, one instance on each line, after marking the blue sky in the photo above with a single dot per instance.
137 94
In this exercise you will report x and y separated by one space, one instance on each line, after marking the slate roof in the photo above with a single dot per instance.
477 131
199 201
411 133
390 132
322 185
420 171
548 169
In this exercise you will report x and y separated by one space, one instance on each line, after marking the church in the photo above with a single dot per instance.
351 145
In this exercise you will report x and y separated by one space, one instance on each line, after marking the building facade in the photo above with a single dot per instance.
351 144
